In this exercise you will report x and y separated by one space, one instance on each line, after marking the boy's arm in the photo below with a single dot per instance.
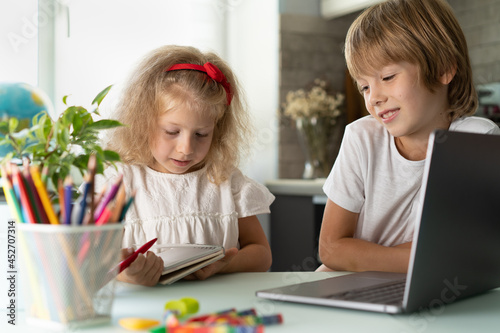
338 249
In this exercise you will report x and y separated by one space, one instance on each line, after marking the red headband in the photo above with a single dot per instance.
211 70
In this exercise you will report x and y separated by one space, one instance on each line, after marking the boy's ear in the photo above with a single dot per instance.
448 75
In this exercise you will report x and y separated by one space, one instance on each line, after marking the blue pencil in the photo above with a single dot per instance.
68 188
80 206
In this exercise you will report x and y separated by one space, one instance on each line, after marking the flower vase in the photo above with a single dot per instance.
315 135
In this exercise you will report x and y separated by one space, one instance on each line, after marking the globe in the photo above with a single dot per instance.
23 101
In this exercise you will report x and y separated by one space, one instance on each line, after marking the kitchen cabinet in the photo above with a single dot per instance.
295 222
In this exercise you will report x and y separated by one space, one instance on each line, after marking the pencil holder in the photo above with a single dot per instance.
66 273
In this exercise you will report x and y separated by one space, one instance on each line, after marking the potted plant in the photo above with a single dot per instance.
62 145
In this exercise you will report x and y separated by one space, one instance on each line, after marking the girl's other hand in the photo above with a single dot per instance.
145 270
213 268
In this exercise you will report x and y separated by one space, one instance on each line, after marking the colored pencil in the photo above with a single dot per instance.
127 206
108 197
44 196
17 181
68 189
62 206
89 218
35 198
81 204
106 215
121 196
45 174
10 197
92 165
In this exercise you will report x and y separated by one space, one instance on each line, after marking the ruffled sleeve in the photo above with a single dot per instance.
250 197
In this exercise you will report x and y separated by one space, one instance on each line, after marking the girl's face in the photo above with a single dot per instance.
396 97
182 140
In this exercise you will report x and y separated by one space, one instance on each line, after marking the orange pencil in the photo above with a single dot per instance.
44 196
121 197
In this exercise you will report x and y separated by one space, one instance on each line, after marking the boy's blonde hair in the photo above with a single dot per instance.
421 32
143 97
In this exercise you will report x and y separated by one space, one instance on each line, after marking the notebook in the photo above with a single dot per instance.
184 259
456 244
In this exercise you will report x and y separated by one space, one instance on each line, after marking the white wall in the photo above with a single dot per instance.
253 51
97 43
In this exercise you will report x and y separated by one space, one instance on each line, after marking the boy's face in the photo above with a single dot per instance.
182 140
396 97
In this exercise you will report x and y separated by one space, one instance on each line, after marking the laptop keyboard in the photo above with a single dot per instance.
391 293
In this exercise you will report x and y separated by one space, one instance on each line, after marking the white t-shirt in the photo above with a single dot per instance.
186 208
371 178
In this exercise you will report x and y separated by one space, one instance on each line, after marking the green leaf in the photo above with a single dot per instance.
110 155
82 161
63 138
104 124
64 99
13 123
4 127
77 124
35 148
68 115
98 99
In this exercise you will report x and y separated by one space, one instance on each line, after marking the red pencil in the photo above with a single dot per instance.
17 181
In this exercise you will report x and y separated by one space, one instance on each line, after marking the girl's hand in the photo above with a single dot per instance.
145 270
213 268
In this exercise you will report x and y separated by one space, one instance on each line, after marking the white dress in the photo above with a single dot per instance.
188 208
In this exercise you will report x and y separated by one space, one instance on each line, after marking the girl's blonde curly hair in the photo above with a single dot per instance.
143 96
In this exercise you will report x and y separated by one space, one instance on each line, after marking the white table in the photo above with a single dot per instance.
477 314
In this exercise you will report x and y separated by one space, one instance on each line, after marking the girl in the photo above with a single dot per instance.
410 61
186 126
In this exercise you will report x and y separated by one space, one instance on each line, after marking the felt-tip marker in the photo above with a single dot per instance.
130 259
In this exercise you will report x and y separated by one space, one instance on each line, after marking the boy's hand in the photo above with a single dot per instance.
145 270
213 268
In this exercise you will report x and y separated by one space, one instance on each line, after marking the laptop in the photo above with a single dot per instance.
456 245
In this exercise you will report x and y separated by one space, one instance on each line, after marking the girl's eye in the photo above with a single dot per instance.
388 78
171 132
362 89
200 135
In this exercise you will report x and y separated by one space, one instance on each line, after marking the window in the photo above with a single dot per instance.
97 42
19 42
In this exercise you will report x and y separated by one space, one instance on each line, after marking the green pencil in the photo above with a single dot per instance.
10 196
